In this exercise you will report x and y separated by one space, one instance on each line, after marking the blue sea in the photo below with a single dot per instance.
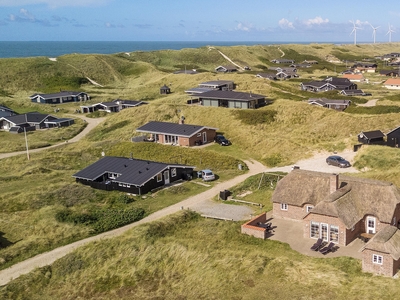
54 49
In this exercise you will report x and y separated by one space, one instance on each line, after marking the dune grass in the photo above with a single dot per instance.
187 257
190 256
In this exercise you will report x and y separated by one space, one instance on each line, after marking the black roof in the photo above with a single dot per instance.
56 95
373 134
186 130
130 171
231 95
31 117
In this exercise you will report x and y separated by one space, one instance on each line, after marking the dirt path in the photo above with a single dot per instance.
370 103
199 203
227 58
48 258
283 53
91 123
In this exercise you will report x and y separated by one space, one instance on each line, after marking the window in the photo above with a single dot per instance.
334 234
309 208
377 259
314 230
159 177
284 206
173 172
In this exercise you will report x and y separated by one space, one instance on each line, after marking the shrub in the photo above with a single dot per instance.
255 117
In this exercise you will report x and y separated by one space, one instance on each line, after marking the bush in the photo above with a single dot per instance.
255 117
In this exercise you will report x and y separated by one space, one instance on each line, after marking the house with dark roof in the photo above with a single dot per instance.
317 86
393 138
130 175
336 209
220 85
374 137
226 69
389 73
114 106
330 103
178 134
6 112
32 121
61 97
341 83
165 90
232 99
283 61
270 76
365 67
354 93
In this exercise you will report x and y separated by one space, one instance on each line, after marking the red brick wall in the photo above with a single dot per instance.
293 212
211 133
252 229
327 220
387 268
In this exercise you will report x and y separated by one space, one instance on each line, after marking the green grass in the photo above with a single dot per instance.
186 257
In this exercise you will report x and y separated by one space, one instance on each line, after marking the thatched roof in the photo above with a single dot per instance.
386 240
355 198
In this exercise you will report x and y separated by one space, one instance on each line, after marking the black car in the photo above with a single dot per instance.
220 139
338 161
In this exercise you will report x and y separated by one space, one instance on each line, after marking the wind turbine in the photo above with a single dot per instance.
374 31
355 32
390 33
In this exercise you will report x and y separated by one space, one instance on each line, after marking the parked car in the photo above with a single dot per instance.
220 139
207 175
338 161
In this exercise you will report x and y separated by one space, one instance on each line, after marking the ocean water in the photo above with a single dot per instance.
54 49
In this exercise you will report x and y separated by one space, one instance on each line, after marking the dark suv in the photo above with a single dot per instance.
220 139
338 161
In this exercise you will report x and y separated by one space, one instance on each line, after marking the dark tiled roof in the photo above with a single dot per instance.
373 134
32 118
185 130
231 95
131 171
216 83
57 95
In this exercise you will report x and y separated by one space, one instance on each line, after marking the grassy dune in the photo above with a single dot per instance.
184 256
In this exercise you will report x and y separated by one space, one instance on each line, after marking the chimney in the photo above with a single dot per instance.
333 183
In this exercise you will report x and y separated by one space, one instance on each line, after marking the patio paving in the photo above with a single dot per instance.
291 232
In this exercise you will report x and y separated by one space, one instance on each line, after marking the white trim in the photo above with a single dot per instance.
159 177
377 259
371 229
284 206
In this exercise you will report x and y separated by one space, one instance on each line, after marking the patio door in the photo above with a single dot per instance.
166 177
324 232
371 225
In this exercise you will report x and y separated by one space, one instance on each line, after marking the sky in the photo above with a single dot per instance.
194 20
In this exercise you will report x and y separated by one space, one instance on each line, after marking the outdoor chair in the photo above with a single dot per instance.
327 249
317 245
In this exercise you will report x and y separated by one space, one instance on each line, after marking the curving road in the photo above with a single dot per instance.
91 123
200 203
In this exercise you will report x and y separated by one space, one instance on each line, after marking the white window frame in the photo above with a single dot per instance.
159 177
314 226
309 208
284 206
173 172
377 259
334 230
369 228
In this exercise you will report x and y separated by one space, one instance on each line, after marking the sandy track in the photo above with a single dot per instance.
91 123
201 203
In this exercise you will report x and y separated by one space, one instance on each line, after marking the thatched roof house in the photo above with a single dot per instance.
381 254
326 202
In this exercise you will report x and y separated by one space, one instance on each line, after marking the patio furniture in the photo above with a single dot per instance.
317 245
365 237
327 249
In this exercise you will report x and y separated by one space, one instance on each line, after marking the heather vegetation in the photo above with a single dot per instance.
182 256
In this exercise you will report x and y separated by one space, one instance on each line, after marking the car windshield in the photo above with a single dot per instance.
341 159
208 173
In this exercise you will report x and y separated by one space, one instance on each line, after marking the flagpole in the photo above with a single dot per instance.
26 144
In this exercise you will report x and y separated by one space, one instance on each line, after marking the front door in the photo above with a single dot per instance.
371 225
324 232
204 137
166 177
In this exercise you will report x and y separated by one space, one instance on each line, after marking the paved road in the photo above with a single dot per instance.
200 203
196 203
91 123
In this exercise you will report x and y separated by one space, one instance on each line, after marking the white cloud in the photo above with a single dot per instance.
243 27
53 3
285 23
316 21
